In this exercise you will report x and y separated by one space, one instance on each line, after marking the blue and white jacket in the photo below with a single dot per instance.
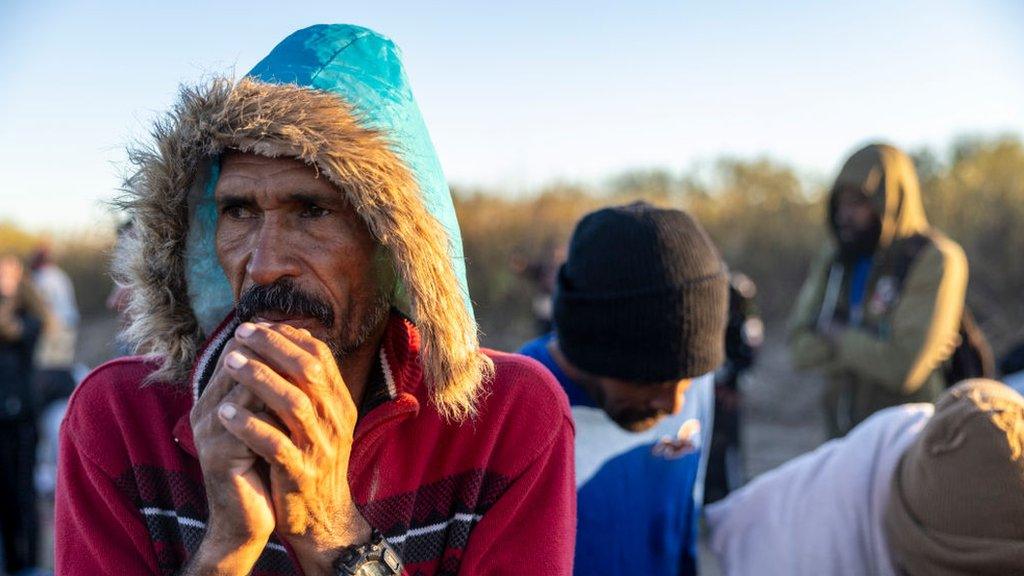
637 511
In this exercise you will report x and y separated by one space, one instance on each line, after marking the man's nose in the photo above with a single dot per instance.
272 257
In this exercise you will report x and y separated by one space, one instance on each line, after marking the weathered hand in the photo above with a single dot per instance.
296 377
241 513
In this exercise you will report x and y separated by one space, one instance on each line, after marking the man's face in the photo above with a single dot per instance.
637 406
855 216
296 252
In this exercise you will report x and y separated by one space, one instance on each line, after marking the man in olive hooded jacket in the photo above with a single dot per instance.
880 311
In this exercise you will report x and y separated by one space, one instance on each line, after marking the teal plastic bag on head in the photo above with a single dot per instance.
364 68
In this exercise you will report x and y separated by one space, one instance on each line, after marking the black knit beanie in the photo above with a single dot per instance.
643 296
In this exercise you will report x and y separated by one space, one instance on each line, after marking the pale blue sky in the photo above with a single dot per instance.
517 94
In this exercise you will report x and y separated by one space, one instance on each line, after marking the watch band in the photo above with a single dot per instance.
374 558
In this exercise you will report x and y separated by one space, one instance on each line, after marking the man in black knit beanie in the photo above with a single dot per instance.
639 312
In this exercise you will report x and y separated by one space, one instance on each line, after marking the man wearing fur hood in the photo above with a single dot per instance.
311 397
881 309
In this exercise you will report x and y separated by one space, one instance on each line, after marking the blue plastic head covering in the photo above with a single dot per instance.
363 68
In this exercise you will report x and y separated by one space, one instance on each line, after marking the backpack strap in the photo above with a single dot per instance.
902 255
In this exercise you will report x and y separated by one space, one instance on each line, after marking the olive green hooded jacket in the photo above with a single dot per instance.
912 316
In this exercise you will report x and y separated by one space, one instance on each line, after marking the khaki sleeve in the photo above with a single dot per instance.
807 348
925 325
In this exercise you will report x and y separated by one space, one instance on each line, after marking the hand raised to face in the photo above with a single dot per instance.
296 377
241 516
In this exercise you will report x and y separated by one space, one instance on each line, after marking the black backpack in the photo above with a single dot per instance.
973 357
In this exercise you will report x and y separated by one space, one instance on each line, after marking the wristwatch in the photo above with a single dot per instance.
375 558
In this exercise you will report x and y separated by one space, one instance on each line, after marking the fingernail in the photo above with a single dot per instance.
236 359
227 411
245 329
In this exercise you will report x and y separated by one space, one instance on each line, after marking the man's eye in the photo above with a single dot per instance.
313 211
237 212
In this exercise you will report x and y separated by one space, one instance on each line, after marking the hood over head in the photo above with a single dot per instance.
887 177
337 98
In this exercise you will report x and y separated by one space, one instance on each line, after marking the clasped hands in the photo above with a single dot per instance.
274 432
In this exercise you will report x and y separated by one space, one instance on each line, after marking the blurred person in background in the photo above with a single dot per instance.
56 352
640 313
22 318
542 274
744 335
914 490
55 358
881 310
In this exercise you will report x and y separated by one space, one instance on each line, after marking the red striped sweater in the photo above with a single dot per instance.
494 495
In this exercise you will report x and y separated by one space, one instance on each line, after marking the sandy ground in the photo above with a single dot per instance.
781 415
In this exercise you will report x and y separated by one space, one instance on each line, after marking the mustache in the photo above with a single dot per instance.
286 298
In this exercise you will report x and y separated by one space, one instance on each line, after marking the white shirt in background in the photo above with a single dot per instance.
820 513
54 285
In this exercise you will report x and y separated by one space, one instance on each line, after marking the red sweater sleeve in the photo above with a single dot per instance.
97 530
532 528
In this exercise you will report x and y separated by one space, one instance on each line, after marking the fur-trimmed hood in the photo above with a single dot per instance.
337 98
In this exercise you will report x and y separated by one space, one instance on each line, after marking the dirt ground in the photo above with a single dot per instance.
781 418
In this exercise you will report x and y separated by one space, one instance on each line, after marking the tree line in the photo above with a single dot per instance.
766 219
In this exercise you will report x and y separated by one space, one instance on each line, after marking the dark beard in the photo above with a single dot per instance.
863 244
636 421
377 313
284 297
629 419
